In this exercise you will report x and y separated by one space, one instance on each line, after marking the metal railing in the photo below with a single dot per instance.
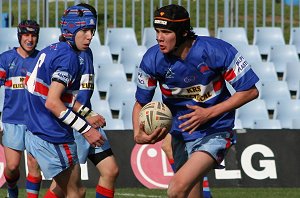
139 13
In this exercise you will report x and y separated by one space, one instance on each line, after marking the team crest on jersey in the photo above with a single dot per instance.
203 67
12 65
81 60
170 73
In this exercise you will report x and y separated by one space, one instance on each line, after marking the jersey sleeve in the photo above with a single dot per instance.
146 80
2 69
235 68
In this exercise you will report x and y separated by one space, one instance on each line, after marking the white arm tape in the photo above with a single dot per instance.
70 118
86 112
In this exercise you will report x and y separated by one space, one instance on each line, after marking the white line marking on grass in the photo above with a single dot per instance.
136 195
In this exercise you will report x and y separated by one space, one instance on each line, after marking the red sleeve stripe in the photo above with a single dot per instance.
229 75
151 82
2 74
166 92
218 85
8 83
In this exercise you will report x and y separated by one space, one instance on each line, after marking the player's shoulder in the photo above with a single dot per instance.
9 52
153 53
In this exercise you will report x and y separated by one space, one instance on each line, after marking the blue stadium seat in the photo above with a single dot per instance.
149 37
295 38
238 124
296 123
201 31
131 57
265 37
252 111
126 113
118 91
250 52
292 75
265 71
116 38
96 44
107 73
11 37
273 91
100 106
233 35
114 124
267 124
286 111
102 56
48 36
281 54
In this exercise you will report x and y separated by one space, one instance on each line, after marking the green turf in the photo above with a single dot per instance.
217 193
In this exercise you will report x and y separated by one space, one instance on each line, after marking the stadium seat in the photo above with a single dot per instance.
265 37
116 38
107 73
233 35
250 52
149 37
126 113
295 38
9 37
3 47
281 54
273 91
100 106
48 36
131 57
96 44
286 111
292 75
114 124
296 123
265 71
238 124
251 111
118 91
102 56
201 31
267 124
2 96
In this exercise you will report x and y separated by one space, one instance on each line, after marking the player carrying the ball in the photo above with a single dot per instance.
191 71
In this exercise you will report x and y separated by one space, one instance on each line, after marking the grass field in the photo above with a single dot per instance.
216 192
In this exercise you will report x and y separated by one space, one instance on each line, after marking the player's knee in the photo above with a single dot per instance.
12 168
176 189
111 173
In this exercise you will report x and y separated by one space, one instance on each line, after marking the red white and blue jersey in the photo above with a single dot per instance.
13 68
87 79
57 62
197 80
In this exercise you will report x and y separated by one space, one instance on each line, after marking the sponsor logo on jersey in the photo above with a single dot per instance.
240 63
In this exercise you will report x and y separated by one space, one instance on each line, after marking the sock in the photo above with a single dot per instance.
206 190
33 185
171 161
102 192
12 187
50 194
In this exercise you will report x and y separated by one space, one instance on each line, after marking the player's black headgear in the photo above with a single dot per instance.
176 18
28 27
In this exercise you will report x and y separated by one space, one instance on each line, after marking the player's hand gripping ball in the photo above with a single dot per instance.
155 114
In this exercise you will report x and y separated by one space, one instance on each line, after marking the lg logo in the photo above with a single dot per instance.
268 166
152 169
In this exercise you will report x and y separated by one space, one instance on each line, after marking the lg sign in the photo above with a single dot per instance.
152 169
2 165
150 165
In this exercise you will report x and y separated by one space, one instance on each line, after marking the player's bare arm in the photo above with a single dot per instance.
57 107
201 115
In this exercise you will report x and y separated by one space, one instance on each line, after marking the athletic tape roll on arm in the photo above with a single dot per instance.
70 118
86 112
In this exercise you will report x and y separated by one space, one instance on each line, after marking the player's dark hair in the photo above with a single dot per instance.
88 6
176 18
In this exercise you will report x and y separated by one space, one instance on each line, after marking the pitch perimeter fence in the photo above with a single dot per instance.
139 13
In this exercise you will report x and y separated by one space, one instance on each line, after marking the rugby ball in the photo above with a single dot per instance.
155 114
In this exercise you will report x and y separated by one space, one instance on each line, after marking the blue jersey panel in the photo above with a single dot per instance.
57 62
13 70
